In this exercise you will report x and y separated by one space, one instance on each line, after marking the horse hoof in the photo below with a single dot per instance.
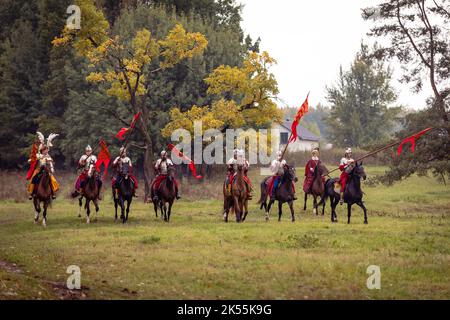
44 223
366 222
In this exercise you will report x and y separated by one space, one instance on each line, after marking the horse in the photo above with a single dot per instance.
237 200
124 192
43 194
283 194
91 192
353 193
317 188
166 195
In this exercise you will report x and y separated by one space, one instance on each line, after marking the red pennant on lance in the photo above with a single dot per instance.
104 157
179 154
122 133
412 140
303 110
135 119
33 163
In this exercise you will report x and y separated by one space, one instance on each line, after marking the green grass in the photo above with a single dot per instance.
197 256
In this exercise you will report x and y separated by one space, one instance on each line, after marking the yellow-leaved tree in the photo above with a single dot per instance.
243 99
121 67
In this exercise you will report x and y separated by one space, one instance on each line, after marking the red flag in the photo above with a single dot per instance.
135 119
412 140
303 110
104 157
33 158
122 133
179 154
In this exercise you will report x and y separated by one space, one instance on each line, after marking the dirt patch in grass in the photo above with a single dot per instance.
10 267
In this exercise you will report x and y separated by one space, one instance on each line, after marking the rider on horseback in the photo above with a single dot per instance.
43 160
238 157
118 164
162 170
87 163
310 169
277 168
346 166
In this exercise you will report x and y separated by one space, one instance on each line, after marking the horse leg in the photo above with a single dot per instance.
88 211
37 207
170 210
246 210
122 209
80 203
361 204
128 207
268 209
44 214
349 208
97 209
315 205
324 203
280 210
155 207
115 204
306 201
291 207
237 209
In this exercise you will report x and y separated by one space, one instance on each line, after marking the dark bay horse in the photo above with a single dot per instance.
283 194
124 192
43 194
317 188
166 195
353 193
91 192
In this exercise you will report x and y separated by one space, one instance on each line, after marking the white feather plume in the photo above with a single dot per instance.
40 137
50 139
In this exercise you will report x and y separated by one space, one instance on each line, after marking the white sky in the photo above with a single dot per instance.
310 40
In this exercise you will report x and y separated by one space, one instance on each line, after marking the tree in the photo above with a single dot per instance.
419 39
243 98
360 112
120 66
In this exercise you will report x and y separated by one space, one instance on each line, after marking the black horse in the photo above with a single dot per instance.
125 187
353 193
284 193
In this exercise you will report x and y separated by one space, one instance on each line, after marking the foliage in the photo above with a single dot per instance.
360 102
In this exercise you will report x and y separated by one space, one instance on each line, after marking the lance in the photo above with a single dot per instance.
382 149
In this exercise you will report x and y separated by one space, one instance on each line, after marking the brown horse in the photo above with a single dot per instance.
91 192
237 201
43 194
167 195
317 189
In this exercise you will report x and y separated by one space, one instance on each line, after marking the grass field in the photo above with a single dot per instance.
197 256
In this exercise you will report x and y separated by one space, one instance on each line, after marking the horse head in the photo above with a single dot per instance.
359 172
290 174
125 172
171 171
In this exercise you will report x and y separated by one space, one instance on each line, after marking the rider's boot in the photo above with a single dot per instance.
342 199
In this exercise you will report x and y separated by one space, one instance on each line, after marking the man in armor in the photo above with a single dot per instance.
162 170
310 169
238 158
277 168
43 160
118 164
87 164
346 166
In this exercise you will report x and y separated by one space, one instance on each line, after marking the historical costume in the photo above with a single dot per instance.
277 168
162 170
118 164
39 160
87 164
347 165
238 158
310 169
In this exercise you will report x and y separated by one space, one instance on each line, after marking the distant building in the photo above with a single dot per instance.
307 140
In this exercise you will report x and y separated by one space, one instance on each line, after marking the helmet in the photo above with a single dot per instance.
163 153
123 151
88 149
348 150
315 151
279 154
43 147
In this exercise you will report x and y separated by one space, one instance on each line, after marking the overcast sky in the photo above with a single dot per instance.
310 40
